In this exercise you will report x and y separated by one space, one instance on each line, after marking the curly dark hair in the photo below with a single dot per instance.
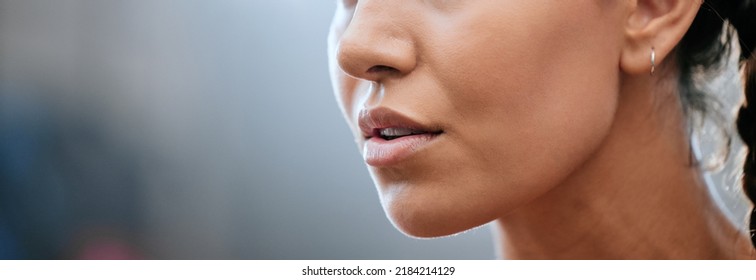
703 49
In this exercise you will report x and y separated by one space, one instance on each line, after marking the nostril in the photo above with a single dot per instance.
382 69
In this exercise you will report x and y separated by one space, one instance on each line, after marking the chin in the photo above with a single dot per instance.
421 226
425 217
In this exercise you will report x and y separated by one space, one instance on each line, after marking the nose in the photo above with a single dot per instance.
377 45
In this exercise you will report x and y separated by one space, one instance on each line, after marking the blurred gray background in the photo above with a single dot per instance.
184 129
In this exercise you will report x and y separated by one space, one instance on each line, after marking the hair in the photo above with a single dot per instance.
702 50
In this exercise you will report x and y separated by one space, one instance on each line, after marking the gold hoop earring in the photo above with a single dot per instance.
653 60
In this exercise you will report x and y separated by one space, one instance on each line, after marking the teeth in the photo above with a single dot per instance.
395 132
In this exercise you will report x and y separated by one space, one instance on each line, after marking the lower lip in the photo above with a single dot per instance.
379 152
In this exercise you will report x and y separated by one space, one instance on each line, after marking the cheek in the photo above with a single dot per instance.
529 108
538 100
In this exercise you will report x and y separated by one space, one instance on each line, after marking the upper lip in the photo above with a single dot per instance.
371 121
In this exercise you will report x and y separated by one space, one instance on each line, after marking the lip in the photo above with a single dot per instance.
380 152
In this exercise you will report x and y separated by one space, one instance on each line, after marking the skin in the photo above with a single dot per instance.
552 126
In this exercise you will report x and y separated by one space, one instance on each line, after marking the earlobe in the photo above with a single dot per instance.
654 28
641 59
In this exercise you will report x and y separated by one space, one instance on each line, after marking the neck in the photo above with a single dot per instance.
639 197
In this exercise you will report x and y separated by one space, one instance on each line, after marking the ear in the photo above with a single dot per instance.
657 24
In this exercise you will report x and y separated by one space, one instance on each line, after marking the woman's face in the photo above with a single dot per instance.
466 110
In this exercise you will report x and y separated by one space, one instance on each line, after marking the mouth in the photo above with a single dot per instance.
388 125
391 137
392 133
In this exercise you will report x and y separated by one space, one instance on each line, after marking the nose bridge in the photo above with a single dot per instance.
378 42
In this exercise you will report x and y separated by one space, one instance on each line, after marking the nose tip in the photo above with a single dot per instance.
370 50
